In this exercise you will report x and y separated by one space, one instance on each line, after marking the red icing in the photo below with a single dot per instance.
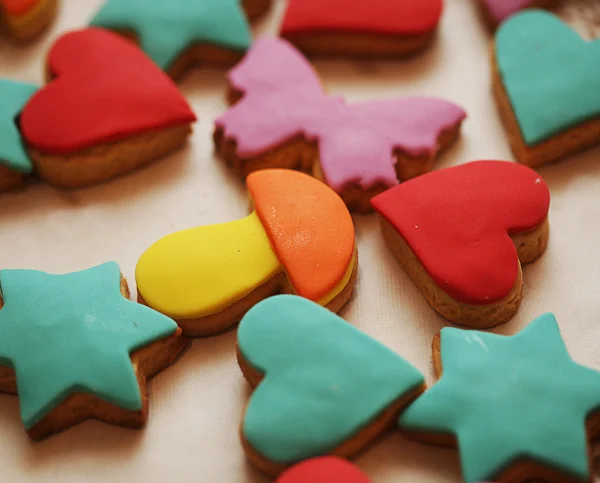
19 7
457 222
393 17
323 470
106 90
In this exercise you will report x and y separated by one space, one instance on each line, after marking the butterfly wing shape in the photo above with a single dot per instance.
360 147
283 100
280 89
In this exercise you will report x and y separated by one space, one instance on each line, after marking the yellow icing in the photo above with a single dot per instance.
202 271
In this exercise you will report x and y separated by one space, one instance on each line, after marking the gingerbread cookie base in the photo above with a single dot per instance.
571 141
493 22
530 246
521 470
78 407
348 449
107 161
216 323
202 53
32 23
359 44
10 179
299 154
255 8
197 54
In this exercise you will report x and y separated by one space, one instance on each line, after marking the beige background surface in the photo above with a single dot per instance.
192 433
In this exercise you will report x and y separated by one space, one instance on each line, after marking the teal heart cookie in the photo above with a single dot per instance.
324 379
551 74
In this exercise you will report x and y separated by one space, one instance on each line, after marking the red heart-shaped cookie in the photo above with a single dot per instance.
105 90
326 469
460 233
386 17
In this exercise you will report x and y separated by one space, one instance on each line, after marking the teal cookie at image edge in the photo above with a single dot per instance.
13 97
507 398
550 73
73 333
165 29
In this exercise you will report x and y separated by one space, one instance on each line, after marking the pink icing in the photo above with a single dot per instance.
283 99
501 9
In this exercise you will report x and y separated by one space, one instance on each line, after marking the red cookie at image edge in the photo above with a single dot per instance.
19 7
324 470
393 17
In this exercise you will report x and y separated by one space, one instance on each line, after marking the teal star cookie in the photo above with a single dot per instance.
165 29
67 334
13 97
509 399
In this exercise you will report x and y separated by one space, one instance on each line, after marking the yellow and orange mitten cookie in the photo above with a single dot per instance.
361 27
546 81
496 11
322 387
518 407
462 233
285 120
15 164
179 33
74 348
299 239
326 469
25 19
107 110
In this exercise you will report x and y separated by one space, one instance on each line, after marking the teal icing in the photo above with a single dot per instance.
506 398
73 333
13 97
551 75
165 28
325 380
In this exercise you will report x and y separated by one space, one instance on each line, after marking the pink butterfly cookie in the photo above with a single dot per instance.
284 119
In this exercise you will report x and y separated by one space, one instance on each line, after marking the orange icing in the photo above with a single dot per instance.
309 227
18 7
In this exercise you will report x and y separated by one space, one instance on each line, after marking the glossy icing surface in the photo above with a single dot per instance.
502 9
507 398
391 17
105 90
458 220
299 226
13 96
73 333
309 227
317 392
551 75
165 29
202 271
283 99
325 469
